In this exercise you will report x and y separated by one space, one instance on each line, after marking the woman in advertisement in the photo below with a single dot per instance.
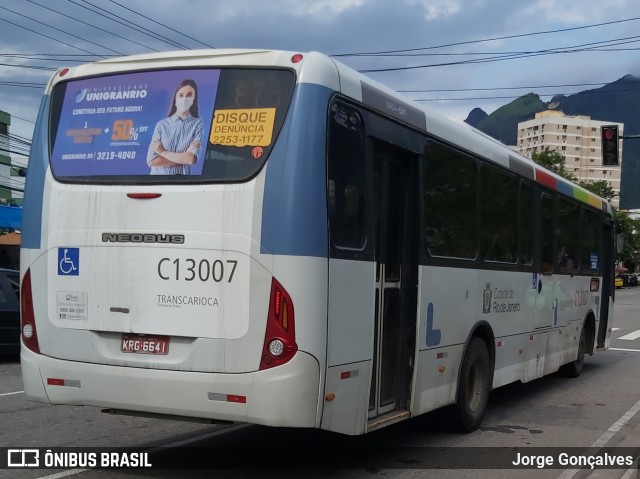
175 144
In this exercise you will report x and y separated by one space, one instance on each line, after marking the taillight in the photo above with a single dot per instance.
27 318
280 339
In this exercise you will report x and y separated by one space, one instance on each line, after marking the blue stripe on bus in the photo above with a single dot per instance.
34 184
564 188
294 215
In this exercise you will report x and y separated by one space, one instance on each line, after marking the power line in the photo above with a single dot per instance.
16 139
506 37
42 59
160 23
8 177
526 87
23 84
50 38
510 88
414 55
586 92
63 31
550 51
30 67
475 61
23 119
21 55
92 26
118 19
59 30
6 187
12 152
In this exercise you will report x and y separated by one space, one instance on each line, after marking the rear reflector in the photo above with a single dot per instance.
280 337
227 398
28 330
144 196
70 383
235 398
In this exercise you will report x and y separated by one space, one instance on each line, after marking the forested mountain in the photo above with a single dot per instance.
616 102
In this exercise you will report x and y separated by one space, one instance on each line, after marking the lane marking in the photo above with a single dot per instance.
11 394
631 336
199 438
606 437
70 472
623 349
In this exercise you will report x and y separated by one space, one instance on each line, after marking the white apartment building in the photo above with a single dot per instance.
11 183
577 138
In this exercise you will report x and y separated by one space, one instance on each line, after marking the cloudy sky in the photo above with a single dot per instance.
470 53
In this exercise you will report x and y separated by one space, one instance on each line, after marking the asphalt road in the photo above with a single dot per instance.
601 408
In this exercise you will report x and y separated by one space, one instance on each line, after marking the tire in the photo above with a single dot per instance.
574 368
474 385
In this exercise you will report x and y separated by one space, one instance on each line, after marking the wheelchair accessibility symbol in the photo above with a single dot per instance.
68 261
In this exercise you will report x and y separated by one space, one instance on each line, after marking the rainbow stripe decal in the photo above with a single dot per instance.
546 179
568 189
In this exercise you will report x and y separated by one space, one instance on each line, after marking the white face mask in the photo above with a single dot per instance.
183 104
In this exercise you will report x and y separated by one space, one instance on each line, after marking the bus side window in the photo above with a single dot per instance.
499 232
568 226
526 221
450 202
346 188
546 234
591 241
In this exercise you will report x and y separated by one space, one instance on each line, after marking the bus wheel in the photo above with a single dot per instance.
574 368
473 386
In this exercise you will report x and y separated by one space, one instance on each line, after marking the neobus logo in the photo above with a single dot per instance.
142 238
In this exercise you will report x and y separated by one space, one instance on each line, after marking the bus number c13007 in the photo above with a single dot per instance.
190 269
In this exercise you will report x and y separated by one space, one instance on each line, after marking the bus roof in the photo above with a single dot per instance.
321 69
387 101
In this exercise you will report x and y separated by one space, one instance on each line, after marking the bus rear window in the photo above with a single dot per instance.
196 125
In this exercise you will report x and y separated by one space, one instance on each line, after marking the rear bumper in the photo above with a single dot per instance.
283 396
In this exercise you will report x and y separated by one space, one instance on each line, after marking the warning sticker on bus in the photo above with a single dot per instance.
244 127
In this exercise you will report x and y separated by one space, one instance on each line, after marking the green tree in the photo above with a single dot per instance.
553 161
600 188
630 229
625 225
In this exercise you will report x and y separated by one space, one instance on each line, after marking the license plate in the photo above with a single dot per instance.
133 343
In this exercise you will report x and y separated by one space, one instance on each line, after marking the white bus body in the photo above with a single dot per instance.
164 294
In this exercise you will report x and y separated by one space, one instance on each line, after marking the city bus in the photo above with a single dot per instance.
309 249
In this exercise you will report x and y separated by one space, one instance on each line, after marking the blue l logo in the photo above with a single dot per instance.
68 261
433 335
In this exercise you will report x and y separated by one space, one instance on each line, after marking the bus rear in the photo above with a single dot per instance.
147 284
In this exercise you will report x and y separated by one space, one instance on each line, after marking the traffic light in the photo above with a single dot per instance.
610 145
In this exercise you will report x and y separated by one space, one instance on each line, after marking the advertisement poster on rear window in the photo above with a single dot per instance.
147 123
